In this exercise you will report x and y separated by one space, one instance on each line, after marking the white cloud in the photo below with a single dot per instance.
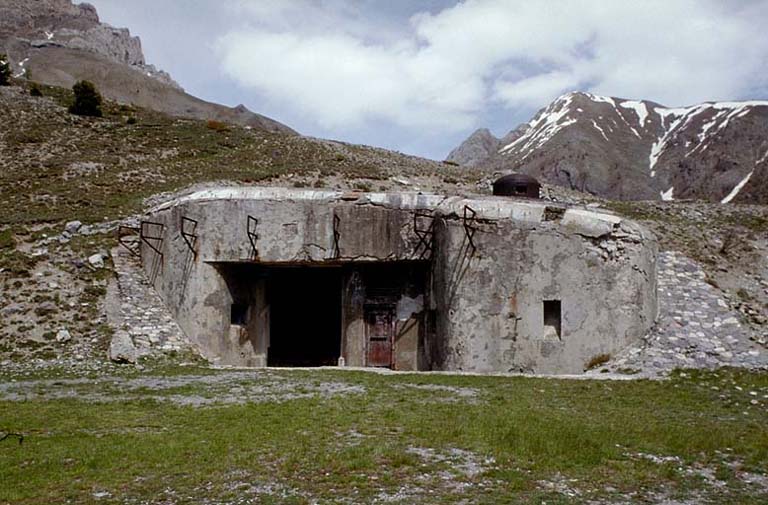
342 67
538 89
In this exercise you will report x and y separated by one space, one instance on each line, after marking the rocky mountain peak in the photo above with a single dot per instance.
58 42
638 149
26 18
478 146
26 26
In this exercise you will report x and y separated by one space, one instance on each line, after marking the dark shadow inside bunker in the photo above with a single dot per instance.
299 315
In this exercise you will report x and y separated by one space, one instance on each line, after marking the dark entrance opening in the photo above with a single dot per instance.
553 317
305 316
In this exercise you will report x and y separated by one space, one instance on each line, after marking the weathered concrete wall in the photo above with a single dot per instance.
353 324
486 304
490 303
248 343
294 230
289 231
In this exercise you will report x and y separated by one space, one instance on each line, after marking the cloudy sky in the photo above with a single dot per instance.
419 76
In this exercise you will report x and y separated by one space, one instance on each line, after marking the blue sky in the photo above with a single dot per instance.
419 77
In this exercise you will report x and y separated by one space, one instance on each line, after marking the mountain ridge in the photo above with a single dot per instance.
639 149
57 42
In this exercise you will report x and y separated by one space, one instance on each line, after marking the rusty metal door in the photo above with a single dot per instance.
380 333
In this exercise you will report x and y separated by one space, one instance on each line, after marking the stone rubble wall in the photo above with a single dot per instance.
142 313
696 327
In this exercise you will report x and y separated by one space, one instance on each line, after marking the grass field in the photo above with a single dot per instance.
196 435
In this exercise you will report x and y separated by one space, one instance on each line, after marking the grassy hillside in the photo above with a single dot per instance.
55 166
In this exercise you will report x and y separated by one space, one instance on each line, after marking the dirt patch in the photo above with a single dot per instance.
192 390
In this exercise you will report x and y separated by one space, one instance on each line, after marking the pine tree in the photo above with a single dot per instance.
87 100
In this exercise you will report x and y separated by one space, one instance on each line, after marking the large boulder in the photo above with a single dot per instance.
121 349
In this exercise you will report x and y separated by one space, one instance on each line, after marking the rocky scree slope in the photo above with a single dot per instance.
636 150
57 42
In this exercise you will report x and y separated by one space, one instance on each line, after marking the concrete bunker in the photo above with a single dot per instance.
520 185
283 277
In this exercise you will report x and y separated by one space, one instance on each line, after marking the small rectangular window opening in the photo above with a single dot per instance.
239 314
553 318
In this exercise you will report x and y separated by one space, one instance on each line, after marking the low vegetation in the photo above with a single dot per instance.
5 70
596 361
87 100
701 436
34 90
55 166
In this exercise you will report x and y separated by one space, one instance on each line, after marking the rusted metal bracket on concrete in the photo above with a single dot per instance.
188 228
250 229
124 234
336 235
425 233
153 241
470 217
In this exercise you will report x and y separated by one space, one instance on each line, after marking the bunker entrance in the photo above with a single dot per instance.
305 316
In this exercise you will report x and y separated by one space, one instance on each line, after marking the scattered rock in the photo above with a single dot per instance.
97 260
72 227
63 336
400 180
13 308
138 308
121 349
696 326
46 308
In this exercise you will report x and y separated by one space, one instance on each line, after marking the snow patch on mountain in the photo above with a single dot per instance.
598 98
580 139
673 120
681 118
738 110
543 127
707 127
599 129
640 109
735 191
